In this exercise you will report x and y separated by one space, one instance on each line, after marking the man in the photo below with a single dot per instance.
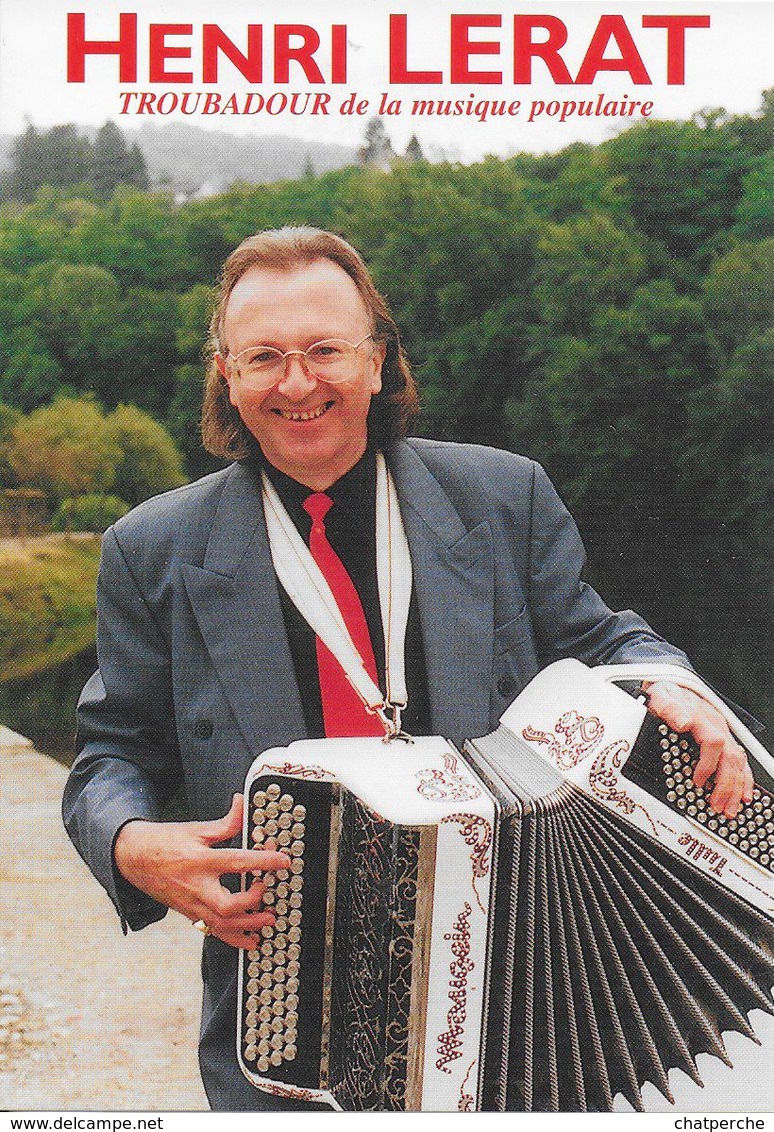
205 661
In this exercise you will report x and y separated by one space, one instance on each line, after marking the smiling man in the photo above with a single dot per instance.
207 650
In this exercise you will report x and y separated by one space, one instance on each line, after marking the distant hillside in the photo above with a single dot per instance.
191 159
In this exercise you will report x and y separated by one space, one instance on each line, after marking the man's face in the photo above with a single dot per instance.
312 431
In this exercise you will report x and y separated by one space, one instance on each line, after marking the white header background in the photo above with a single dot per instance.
727 65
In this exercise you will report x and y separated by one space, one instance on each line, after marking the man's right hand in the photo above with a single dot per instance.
180 865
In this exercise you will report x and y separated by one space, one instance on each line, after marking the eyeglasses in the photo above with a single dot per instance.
333 360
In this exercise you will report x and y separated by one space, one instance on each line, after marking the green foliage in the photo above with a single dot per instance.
149 460
64 157
70 448
93 513
47 602
9 418
64 449
683 182
739 292
755 211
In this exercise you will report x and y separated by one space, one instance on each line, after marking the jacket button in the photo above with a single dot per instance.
203 729
506 685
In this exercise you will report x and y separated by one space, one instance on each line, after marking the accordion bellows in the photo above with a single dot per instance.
545 921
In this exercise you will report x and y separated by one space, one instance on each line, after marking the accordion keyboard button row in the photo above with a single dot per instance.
271 1008
751 831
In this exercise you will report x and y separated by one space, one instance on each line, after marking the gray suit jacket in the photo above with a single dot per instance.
195 675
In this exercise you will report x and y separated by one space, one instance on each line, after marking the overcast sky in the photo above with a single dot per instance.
727 65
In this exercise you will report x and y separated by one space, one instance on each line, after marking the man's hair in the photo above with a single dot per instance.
223 430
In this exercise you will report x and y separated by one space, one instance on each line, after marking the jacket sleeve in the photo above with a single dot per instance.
128 763
569 617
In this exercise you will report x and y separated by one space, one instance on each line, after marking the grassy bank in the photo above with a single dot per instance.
47 604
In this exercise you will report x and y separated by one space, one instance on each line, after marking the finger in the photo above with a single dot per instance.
251 900
247 860
223 829
710 753
245 940
732 780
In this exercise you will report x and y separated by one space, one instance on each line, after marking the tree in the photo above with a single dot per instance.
113 164
64 449
59 156
683 182
149 460
739 292
414 149
376 148
9 418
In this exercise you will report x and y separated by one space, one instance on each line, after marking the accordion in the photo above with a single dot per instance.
547 918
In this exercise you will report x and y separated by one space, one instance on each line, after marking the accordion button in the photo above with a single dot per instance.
273 792
262 1064
276 1058
294 951
296 865
298 830
290 1053
250 1053
299 812
291 1001
284 821
259 798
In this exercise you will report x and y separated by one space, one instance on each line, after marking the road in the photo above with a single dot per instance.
89 1019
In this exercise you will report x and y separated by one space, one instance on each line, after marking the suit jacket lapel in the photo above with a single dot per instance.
236 604
454 582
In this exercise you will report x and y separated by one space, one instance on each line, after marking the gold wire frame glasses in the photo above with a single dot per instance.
332 360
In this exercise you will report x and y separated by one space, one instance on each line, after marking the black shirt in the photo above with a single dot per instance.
350 526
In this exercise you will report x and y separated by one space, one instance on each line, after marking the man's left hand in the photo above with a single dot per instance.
721 758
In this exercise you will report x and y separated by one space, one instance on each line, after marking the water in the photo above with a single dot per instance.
42 706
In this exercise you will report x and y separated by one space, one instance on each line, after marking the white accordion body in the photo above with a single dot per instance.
438 943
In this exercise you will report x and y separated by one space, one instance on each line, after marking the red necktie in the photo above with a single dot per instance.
343 711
